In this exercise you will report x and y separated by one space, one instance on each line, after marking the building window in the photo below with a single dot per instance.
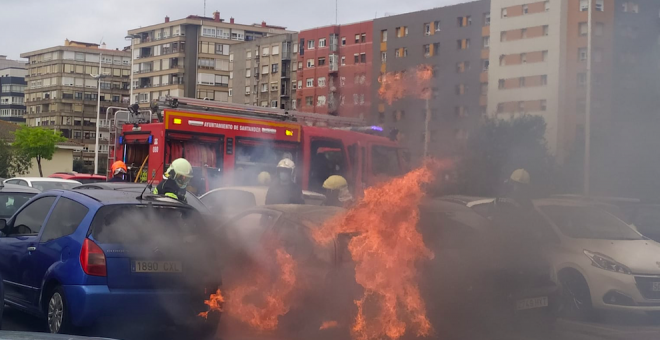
247 90
310 82
582 79
464 21
583 28
300 65
544 80
485 65
521 82
309 101
322 42
321 82
383 56
487 19
248 55
264 87
383 36
504 13
463 44
343 41
265 51
546 30
584 5
582 54
600 6
401 31
310 63
462 66
310 44
363 58
248 73
356 58
321 61
275 68
231 92
427 50
264 69
486 42
427 28
525 9
500 84
343 61
523 33
363 38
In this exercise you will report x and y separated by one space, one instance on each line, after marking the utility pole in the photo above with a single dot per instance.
587 122
98 78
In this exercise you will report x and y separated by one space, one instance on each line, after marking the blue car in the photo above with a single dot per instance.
85 257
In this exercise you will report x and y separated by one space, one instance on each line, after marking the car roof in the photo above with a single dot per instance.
261 191
45 179
112 186
123 197
6 187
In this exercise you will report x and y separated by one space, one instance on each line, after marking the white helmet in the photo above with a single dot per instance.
286 164
180 171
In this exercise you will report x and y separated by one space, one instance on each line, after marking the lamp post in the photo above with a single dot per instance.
98 77
587 122
132 37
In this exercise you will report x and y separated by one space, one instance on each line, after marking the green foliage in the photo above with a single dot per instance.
12 161
500 146
37 143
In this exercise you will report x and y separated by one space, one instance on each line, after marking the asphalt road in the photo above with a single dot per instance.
624 327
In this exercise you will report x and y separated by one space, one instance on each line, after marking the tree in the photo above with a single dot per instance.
12 161
37 143
501 146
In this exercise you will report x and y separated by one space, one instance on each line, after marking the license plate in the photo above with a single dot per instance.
656 287
531 303
156 267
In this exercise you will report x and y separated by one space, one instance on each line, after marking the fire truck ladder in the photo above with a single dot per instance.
311 119
115 126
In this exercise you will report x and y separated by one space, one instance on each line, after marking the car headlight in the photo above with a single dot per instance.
607 263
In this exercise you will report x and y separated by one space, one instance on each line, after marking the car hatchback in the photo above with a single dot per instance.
78 258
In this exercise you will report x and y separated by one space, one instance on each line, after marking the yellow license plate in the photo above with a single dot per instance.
531 303
156 267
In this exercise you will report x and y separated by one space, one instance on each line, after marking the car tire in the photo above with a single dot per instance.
576 297
58 320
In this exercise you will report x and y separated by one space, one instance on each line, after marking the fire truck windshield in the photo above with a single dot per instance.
255 156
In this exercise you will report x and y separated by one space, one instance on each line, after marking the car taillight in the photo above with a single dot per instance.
92 259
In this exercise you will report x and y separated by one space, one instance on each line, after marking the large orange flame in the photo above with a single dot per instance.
385 251
414 83
328 324
260 298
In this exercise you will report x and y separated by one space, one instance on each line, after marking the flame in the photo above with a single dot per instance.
214 302
328 325
385 251
413 83
259 299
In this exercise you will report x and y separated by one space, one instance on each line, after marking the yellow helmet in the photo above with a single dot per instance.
335 182
263 178
520 176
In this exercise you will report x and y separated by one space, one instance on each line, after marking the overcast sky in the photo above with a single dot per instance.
30 25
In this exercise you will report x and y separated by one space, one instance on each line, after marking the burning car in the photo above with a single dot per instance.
486 269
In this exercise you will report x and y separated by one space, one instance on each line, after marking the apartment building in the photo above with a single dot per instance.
262 72
12 89
453 41
188 57
335 70
62 94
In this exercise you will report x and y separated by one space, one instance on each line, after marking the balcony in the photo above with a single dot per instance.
333 65
286 54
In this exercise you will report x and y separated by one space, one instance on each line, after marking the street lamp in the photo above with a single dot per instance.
98 77
132 37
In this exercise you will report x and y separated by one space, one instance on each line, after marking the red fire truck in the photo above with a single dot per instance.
229 145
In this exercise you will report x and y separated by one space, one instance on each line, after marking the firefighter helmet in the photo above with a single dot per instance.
520 176
118 167
286 163
180 171
263 178
335 182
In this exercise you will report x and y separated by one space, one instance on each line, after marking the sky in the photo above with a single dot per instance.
38 24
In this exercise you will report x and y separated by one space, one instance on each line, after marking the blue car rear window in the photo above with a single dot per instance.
11 201
142 223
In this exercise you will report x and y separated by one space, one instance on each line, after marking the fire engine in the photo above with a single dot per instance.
230 144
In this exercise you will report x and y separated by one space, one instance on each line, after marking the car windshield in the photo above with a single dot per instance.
11 201
589 223
129 224
48 185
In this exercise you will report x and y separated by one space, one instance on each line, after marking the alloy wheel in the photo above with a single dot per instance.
55 313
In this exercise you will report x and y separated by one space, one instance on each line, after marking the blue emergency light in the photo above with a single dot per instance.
121 140
151 139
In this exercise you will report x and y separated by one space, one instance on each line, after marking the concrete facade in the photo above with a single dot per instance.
271 80
62 95
453 41
188 57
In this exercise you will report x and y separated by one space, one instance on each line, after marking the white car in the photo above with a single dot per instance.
43 183
232 200
600 262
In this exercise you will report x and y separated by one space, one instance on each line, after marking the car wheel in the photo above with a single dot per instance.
57 314
576 297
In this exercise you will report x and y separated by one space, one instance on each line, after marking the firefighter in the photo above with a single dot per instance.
119 171
337 192
284 190
175 180
519 192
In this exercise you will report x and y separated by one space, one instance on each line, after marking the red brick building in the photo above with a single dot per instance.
334 70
